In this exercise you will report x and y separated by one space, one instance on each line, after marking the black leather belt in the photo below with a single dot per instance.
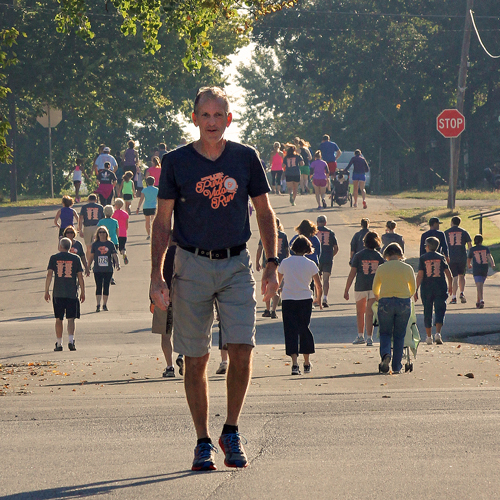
223 253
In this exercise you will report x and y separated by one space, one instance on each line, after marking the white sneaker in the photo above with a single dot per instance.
369 341
359 340
429 340
438 339
222 368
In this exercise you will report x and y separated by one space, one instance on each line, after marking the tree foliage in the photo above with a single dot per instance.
374 74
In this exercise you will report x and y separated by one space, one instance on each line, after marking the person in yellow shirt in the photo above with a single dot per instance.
393 286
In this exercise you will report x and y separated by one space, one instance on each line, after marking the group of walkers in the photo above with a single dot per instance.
293 167
203 207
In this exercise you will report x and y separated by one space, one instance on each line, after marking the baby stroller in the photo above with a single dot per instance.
412 337
341 193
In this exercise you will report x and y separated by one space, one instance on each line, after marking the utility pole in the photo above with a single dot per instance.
462 81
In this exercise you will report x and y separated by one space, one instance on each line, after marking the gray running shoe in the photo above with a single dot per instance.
308 368
438 339
359 340
296 370
222 368
463 299
204 455
169 372
266 313
369 341
232 447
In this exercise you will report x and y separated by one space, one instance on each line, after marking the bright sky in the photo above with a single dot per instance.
234 93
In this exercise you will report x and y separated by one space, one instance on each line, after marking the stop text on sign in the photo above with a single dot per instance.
450 123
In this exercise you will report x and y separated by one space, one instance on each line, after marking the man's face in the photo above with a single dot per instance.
212 119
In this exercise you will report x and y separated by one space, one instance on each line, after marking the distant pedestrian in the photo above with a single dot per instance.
296 272
433 273
319 173
329 248
357 241
78 174
276 162
390 236
122 217
104 157
90 214
130 159
104 257
260 264
434 223
309 229
360 169
479 257
138 180
112 227
149 196
304 151
292 163
127 190
364 265
76 247
459 241
65 215
119 174
155 170
330 152
393 286
162 151
67 269
107 182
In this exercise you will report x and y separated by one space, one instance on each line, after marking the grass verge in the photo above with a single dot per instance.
441 192
420 217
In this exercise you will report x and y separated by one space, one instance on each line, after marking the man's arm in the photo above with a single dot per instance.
161 230
48 279
266 219
338 154
258 257
420 277
82 287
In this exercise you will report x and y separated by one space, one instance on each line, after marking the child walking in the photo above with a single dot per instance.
478 258
149 196
297 271
127 190
122 217
433 272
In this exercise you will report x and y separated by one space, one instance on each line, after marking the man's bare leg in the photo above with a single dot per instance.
196 387
238 379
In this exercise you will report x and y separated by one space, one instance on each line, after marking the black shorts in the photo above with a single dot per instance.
325 267
63 305
122 241
128 197
293 178
457 268
149 211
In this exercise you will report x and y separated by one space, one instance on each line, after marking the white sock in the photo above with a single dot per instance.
324 298
58 341
71 339
362 335
453 296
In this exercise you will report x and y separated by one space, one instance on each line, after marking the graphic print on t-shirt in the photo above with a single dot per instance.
219 188
64 269
433 268
324 237
92 213
455 238
480 256
369 266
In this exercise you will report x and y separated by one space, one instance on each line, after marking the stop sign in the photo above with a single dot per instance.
450 123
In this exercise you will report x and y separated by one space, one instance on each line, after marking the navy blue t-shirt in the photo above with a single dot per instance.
328 241
433 264
479 256
66 267
211 197
366 263
457 238
443 245
92 213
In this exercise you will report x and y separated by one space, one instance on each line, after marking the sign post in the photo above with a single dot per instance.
49 119
450 123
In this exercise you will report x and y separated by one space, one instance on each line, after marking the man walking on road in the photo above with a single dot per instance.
67 268
457 239
330 153
205 186
329 248
434 231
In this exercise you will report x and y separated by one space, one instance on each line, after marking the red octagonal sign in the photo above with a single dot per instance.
450 123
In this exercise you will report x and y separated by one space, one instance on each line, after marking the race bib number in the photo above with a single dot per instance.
102 261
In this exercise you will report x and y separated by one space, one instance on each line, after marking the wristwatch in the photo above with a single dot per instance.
274 260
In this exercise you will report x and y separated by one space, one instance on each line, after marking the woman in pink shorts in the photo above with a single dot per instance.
276 168
319 172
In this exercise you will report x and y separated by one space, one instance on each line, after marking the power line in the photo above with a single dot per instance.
479 38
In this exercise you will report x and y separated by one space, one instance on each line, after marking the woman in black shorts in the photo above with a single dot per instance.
292 163
104 255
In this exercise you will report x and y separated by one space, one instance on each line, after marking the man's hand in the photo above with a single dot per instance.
269 284
415 297
346 295
82 297
159 294
47 296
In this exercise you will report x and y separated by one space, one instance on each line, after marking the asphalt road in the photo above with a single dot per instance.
101 422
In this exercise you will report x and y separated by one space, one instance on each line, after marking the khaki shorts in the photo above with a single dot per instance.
368 294
196 283
162 320
89 234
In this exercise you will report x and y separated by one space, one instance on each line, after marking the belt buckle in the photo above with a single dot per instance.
210 255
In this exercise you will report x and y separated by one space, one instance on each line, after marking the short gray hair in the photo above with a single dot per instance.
65 243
